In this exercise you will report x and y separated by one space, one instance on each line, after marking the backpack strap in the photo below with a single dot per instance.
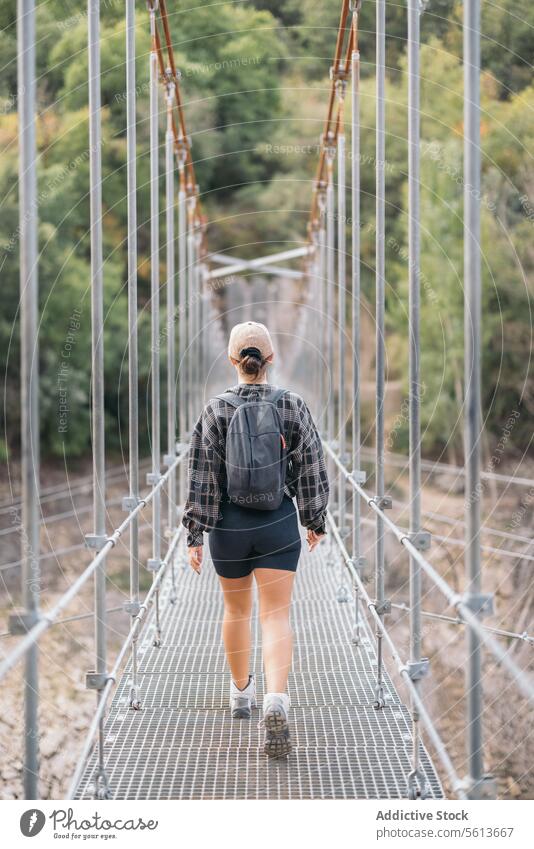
232 398
276 395
236 400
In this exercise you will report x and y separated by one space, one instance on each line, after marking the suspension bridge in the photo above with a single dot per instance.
361 722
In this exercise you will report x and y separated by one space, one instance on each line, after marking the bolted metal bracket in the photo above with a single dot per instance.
417 669
153 564
383 502
180 447
481 604
22 621
417 785
379 701
153 478
382 607
358 476
130 502
168 459
132 607
134 703
359 564
421 540
483 788
95 541
342 594
102 789
95 680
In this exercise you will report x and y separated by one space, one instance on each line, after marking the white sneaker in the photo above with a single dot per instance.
242 701
277 743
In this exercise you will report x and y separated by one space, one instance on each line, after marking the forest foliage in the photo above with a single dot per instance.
255 83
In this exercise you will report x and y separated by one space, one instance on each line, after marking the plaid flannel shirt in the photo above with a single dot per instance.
307 481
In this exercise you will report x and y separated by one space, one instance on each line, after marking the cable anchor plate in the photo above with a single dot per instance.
481 604
383 502
22 621
421 540
95 680
130 502
96 542
417 669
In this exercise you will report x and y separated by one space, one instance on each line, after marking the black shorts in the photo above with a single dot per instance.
246 539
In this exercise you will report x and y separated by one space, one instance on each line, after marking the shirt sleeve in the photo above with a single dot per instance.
309 472
202 507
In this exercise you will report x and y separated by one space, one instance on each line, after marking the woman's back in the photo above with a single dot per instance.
306 479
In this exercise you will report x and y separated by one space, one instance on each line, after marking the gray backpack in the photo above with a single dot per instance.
256 455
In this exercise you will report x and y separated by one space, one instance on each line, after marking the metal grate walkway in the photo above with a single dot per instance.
183 744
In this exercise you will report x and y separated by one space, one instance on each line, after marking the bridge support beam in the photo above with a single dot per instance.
355 306
416 781
321 237
133 375
29 304
182 315
380 283
153 478
171 319
342 592
330 284
98 539
478 783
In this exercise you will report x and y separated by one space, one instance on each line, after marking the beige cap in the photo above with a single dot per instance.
250 334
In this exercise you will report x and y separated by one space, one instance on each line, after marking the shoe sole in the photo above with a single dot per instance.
243 712
277 742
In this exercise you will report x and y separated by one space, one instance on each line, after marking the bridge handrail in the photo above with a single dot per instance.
456 783
111 679
454 598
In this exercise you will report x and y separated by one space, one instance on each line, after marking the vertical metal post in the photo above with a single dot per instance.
133 378
171 282
416 779
171 329
355 307
29 303
342 282
330 283
472 428
182 320
191 295
315 302
153 478
342 594
322 307
199 311
97 334
379 319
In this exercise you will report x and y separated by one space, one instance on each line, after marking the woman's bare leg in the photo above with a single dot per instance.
236 626
275 587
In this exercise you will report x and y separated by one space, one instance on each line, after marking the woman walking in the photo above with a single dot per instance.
253 450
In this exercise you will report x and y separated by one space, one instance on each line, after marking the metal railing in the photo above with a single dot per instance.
32 622
474 603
